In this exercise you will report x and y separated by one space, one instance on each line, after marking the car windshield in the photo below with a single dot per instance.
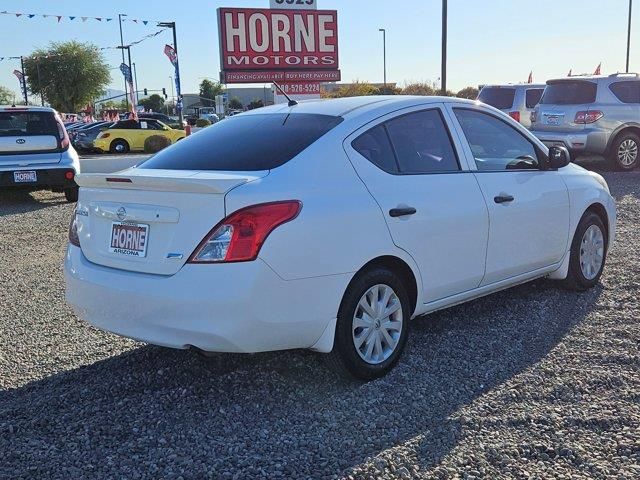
245 143
569 92
27 124
501 98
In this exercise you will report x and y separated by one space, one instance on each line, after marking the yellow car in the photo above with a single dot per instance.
129 135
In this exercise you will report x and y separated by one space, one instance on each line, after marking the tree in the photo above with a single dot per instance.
419 88
6 96
469 92
355 89
235 104
255 103
208 92
113 105
155 103
69 75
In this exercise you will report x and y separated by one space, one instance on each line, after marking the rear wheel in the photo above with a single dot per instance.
588 253
625 151
71 194
372 325
119 146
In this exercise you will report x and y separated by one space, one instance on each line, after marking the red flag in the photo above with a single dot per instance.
570 72
598 70
530 77
170 52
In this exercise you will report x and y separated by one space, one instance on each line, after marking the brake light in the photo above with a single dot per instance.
69 175
240 236
515 116
588 116
74 239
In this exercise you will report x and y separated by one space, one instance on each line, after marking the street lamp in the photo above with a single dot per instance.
126 95
173 98
384 55
443 75
629 34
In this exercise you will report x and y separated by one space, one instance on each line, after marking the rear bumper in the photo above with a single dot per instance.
241 307
54 178
583 141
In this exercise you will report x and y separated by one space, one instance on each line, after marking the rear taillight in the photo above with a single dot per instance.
239 237
588 116
515 116
74 239
534 117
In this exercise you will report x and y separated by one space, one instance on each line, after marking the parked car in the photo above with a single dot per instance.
35 152
332 226
209 113
517 101
129 135
83 139
592 115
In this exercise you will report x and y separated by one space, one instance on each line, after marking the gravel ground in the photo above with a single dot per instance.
534 382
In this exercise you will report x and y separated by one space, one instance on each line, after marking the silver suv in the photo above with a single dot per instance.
35 151
517 101
592 115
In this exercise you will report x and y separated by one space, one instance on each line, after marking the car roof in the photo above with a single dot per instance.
23 108
351 106
516 85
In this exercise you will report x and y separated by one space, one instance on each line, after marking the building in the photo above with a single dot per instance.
246 95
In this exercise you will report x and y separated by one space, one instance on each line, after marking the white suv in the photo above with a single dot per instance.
35 151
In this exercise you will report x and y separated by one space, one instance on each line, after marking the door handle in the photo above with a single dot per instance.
503 199
402 211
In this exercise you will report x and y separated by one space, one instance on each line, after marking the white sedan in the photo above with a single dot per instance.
329 225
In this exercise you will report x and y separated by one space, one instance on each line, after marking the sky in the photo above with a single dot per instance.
490 41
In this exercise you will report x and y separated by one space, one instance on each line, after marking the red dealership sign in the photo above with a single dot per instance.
262 45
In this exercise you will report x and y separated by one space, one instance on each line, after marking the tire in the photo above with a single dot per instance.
119 146
71 194
346 358
581 276
624 154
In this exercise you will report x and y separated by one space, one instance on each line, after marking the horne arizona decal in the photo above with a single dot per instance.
278 40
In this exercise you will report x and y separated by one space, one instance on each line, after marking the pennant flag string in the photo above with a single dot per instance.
59 18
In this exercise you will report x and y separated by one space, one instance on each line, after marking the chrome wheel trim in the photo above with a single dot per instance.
591 252
377 324
628 152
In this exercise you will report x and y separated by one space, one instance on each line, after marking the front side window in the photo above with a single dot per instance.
127 125
626 92
496 145
533 96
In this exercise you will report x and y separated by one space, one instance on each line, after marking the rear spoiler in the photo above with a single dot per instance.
175 181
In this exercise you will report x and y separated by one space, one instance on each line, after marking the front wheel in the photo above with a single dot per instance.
625 151
119 146
588 253
372 325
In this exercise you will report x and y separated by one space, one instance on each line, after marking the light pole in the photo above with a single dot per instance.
126 95
629 34
135 80
384 56
443 75
173 98
172 26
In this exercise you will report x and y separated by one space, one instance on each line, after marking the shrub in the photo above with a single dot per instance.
202 122
155 143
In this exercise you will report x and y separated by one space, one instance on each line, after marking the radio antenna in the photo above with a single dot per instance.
292 103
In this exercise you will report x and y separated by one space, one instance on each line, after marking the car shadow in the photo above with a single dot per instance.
166 411
18 201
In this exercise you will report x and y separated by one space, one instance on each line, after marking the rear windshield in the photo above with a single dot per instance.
245 143
573 92
26 124
501 98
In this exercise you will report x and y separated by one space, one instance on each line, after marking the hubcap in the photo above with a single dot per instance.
628 152
377 324
591 252
119 147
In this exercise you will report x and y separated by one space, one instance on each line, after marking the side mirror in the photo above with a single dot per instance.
558 157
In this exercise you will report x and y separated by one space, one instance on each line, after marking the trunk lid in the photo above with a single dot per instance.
150 221
561 100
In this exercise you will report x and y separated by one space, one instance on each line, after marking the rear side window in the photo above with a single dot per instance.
25 124
245 143
501 98
127 125
626 92
533 96
569 92
375 146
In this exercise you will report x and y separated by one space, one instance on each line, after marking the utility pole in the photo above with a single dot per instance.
172 25
23 81
384 56
37 59
126 94
629 34
135 80
173 97
443 75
